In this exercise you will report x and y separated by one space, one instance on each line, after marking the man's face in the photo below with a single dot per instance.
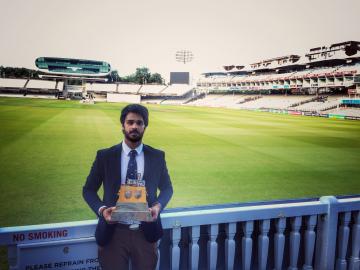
133 127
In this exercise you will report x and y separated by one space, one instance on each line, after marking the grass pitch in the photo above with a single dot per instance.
213 155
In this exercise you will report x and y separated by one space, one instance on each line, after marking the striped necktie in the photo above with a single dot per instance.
132 166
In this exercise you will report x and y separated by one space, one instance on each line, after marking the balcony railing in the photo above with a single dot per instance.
294 234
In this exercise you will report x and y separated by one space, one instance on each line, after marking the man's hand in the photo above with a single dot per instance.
155 210
106 213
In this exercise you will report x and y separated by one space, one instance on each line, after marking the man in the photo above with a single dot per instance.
119 242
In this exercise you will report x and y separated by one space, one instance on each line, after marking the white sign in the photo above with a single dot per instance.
76 254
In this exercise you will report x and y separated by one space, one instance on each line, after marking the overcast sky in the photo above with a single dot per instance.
130 34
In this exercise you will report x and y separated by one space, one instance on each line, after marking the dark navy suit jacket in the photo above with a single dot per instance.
106 171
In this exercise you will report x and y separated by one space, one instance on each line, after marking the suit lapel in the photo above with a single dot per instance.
117 167
147 163
149 175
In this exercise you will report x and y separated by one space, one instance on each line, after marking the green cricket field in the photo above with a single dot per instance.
214 156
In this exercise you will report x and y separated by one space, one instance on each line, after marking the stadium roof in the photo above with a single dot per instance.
73 67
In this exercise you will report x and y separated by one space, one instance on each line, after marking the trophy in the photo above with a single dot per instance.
131 205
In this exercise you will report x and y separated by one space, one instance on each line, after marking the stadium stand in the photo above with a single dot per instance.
171 98
324 103
355 112
12 83
273 102
221 100
177 90
43 96
319 77
28 88
208 100
312 84
101 87
233 101
334 66
128 88
40 84
154 89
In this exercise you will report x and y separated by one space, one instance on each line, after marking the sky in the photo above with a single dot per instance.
130 34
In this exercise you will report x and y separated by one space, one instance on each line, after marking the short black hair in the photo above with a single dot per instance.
135 108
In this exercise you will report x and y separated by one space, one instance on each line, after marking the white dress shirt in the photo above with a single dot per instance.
125 161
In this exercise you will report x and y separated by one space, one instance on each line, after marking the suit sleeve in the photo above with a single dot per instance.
93 183
165 186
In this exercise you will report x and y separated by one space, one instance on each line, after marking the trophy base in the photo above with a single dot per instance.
129 212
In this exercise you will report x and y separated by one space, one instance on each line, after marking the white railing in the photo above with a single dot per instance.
293 234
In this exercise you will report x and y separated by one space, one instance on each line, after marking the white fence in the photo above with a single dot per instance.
295 234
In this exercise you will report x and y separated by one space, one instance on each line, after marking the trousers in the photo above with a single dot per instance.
127 245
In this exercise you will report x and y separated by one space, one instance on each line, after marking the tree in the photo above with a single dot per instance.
15 72
129 78
156 78
114 76
142 75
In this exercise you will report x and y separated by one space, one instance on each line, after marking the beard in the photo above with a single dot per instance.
133 136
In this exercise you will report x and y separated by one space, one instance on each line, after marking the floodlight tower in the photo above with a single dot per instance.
183 77
184 56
